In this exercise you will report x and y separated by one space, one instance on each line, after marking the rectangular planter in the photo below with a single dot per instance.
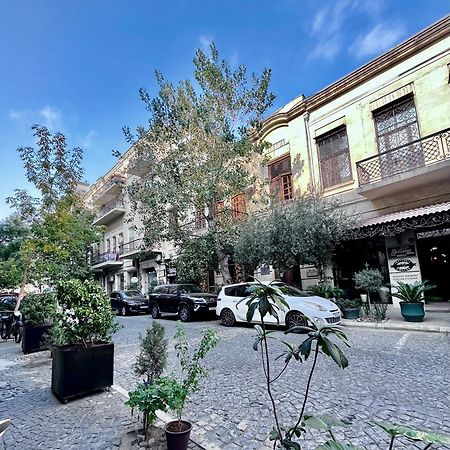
79 371
32 338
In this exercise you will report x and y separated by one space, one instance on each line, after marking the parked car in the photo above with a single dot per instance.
303 307
186 300
8 302
125 302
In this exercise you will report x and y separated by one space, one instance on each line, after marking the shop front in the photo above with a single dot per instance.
407 246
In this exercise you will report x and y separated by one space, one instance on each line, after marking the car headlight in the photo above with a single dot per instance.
200 301
315 306
131 303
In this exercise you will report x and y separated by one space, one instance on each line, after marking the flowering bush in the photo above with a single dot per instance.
83 314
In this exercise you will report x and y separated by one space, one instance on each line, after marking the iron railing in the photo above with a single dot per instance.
133 246
98 258
116 203
421 152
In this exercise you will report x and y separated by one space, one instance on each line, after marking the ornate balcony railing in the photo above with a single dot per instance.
421 152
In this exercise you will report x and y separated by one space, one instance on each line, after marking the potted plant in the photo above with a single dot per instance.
37 311
412 299
149 396
83 354
350 308
369 280
177 390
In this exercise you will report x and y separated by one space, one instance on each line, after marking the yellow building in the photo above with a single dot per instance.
378 140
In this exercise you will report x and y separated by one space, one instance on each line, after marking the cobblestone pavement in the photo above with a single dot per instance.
40 421
402 377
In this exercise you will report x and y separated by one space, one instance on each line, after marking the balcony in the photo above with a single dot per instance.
417 163
105 260
138 167
131 249
109 212
110 190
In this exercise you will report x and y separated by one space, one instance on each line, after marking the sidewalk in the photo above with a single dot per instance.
437 320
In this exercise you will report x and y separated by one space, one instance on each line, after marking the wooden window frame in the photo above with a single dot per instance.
281 184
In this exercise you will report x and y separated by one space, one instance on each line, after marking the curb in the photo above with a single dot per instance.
396 326
195 438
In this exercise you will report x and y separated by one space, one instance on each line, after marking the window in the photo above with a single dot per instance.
172 290
396 126
280 174
334 157
238 207
200 220
219 208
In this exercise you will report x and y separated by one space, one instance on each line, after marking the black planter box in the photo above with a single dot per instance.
32 338
77 371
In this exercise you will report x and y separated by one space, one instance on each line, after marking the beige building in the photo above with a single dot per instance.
122 260
378 140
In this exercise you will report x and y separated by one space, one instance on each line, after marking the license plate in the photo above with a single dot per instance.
143 307
211 308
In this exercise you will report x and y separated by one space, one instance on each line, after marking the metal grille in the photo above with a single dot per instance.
422 152
333 319
334 158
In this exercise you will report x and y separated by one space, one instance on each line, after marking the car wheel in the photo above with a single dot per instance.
296 319
123 311
227 318
154 311
184 313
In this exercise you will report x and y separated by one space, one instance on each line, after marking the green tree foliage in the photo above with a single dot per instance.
152 358
197 151
59 229
302 231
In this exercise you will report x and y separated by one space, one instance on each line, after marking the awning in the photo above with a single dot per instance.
399 221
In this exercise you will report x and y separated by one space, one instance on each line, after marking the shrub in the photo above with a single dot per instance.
83 314
38 309
152 358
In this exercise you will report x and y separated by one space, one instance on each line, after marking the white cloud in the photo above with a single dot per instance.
47 116
326 49
380 38
205 42
87 140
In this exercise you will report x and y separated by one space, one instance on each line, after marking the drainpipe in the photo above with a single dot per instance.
309 151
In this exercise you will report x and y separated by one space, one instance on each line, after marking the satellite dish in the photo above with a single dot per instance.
134 280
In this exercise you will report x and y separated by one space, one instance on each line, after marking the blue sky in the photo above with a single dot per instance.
76 66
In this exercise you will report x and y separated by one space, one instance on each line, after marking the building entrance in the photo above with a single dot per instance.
434 257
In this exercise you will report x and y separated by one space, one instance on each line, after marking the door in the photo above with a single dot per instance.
160 295
240 292
434 258
173 299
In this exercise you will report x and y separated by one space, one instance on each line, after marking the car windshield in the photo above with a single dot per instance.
190 289
133 294
290 290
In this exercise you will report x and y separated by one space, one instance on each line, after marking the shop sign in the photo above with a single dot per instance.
312 273
408 277
433 233
403 265
401 252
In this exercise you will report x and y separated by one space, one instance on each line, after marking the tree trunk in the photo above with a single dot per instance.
223 266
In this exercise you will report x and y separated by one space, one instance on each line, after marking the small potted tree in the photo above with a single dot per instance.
37 311
177 390
412 299
83 354
370 281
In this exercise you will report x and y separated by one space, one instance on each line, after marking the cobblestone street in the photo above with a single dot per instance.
395 376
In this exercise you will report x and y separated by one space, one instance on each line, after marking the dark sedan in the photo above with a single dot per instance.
126 302
182 299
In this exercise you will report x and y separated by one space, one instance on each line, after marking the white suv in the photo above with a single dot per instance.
303 307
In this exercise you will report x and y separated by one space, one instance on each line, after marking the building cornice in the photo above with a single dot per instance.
406 49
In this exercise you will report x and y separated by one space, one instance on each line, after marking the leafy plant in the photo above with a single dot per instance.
192 370
349 303
150 397
412 293
326 291
369 280
83 314
152 358
267 300
379 311
38 309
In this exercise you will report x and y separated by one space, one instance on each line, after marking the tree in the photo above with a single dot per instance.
301 231
59 228
196 151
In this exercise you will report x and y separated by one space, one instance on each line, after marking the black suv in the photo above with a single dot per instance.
182 299
125 302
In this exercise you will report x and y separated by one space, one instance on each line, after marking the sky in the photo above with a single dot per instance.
77 66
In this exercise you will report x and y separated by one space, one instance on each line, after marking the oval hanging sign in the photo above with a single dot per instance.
403 265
